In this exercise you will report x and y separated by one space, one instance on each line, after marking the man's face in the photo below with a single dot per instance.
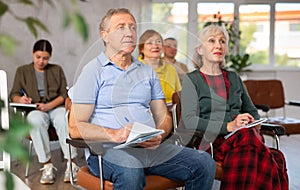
170 48
121 34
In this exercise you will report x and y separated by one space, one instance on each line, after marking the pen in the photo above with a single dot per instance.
126 119
23 92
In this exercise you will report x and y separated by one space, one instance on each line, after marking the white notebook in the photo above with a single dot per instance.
247 126
12 104
140 133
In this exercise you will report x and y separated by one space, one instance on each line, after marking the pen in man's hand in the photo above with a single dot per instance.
126 119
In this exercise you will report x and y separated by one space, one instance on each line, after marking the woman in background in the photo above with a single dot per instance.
45 85
150 52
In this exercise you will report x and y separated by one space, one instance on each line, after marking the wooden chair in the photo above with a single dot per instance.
269 95
192 138
88 181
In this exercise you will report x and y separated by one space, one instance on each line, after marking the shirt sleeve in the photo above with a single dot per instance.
86 87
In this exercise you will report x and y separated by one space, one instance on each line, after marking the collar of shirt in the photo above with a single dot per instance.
104 60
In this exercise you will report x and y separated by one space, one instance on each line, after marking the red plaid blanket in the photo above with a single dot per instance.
247 163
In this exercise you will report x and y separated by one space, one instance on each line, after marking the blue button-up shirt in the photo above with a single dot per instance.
119 95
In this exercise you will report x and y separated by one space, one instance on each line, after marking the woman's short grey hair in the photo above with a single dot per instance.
202 36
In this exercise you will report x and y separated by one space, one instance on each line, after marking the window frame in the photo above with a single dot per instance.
192 26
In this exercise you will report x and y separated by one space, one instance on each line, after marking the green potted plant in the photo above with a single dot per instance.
239 62
234 60
10 142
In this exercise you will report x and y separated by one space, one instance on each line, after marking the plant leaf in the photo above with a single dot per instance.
31 27
32 23
39 24
27 2
3 8
1 104
9 183
8 44
66 19
50 2
18 130
81 25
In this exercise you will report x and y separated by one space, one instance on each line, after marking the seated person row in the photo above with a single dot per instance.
150 53
216 101
113 91
170 52
45 85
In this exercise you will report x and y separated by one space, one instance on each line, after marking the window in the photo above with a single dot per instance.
270 29
213 12
287 34
294 27
170 20
255 26
218 13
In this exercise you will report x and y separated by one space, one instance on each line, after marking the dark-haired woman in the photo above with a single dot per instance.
44 84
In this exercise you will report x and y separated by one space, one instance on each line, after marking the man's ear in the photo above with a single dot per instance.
104 35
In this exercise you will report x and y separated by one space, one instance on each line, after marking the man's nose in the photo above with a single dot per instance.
129 30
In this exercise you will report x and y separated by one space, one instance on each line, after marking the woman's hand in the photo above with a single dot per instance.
239 121
43 107
23 99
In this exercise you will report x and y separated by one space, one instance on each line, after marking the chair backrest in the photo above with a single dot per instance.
5 162
4 97
266 92
176 101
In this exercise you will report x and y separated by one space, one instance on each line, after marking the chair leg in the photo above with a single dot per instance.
71 169
211 149
62 155
276 142
101 175
30 154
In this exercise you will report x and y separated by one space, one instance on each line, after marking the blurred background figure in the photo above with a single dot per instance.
150 53
170 51
44 84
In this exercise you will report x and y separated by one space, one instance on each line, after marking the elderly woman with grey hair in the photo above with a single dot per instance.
216 102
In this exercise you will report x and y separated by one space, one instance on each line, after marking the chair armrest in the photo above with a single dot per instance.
96 147
264 108
188 137
276 129
192 132
293 102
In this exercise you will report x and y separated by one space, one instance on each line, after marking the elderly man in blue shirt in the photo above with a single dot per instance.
113 91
